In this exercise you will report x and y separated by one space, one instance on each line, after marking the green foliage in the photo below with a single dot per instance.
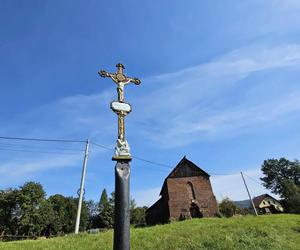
244 211
65 210
93 212
59 207
292 196
26 211
137 214
46 218
84 219
283 178
106 210
9 211
227 207
30 197
264 232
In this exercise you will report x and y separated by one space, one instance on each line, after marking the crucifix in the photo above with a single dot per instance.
122 156
120 108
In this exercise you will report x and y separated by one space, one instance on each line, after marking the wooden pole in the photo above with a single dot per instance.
249 194
86 152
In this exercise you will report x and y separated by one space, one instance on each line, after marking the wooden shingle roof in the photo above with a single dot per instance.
185 168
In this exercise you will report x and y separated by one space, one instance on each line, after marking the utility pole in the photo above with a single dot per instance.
122 157
249 194
81 192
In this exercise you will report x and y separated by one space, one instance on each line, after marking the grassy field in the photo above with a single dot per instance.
263 232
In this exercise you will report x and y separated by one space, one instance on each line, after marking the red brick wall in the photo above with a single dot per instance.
180 201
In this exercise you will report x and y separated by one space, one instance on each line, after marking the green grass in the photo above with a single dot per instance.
263 232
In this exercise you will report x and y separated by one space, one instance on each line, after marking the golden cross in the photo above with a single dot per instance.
120 79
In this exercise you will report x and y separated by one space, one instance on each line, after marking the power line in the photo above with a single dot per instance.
36 151
81 141
253 179
135 157
155 163
150 167
38 139
49 148
214 174
102 146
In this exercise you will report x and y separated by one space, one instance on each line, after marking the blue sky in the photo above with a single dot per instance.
220 84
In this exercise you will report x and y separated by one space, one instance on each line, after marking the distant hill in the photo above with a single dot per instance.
244 232
243 204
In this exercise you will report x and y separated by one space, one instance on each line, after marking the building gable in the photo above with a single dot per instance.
267 204
184 168
259 199
186 193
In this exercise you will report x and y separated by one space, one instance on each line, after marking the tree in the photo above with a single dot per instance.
93 213
26 211
9 211
106 210
47 219
30 198
84 218
227 207
292 197
65 211
283 178
138 216
278 171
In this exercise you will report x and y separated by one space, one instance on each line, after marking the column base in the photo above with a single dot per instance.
122 158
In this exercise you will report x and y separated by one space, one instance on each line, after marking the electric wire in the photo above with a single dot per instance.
101 146
40 139
156 163
260 186
149 167
252 179
152 162
82 141
222 174
37 151
47 148
134 157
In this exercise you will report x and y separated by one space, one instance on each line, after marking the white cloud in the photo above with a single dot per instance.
146 197
20 169
179 107
173 109
231 186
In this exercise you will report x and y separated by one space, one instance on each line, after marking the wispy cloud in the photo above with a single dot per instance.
146 197
175 109
21 169
181 105
231 186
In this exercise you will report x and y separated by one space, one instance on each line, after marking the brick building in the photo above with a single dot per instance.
186 193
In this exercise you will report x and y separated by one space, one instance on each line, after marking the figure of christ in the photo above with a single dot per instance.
120 79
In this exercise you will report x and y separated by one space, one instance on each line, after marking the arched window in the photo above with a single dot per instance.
191 191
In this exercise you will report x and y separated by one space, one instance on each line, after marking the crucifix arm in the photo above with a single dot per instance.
134 80
103 73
